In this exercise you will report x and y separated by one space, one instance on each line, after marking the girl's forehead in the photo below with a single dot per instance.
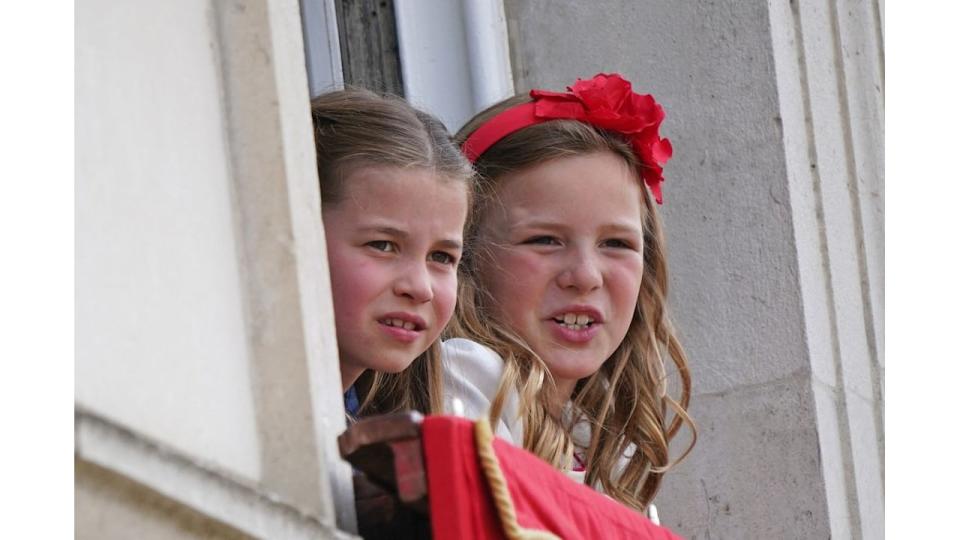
399 197
584 185
379 181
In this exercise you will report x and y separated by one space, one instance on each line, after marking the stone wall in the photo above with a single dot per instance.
773 209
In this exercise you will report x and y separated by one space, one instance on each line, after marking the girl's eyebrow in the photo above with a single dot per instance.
450 244
623 228
387 230
537 224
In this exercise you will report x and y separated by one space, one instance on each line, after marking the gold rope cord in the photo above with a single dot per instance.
498 487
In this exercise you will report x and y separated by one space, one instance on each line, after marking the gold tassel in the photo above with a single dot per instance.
498 487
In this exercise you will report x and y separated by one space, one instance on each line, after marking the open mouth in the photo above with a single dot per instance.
400 323
574 321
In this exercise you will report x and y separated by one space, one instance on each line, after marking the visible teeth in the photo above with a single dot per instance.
573 319
400 323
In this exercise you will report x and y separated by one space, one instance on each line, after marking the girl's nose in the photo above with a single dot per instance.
414 283
581 272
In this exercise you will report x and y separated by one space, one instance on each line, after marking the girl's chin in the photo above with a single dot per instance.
392 365
567 373
398 368
571 364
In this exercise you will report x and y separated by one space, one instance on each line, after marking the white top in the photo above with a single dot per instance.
471 374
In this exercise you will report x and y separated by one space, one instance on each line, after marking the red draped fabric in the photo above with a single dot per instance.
462 507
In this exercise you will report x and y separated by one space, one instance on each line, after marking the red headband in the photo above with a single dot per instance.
605 101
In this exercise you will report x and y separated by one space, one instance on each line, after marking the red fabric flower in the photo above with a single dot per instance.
609 102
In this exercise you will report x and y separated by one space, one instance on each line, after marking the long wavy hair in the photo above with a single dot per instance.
355 128
626 402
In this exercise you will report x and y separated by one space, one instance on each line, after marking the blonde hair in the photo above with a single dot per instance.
626 401
356 128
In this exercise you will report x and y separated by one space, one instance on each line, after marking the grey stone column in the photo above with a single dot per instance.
774 216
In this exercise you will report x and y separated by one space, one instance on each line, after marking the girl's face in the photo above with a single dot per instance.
566 241
393 243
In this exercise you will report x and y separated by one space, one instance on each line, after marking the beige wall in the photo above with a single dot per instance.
109 506
161 338
206 356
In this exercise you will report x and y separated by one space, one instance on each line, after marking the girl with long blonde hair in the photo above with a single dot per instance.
561 333
395 192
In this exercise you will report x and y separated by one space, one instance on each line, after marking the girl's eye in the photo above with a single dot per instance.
617 243
385 246
443 258
542 241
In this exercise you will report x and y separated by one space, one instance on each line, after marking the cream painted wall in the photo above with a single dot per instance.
161 338
206 357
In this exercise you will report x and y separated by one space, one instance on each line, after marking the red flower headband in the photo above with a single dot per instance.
605 101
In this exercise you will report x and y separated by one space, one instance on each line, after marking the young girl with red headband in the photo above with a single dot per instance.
395 191
561 326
